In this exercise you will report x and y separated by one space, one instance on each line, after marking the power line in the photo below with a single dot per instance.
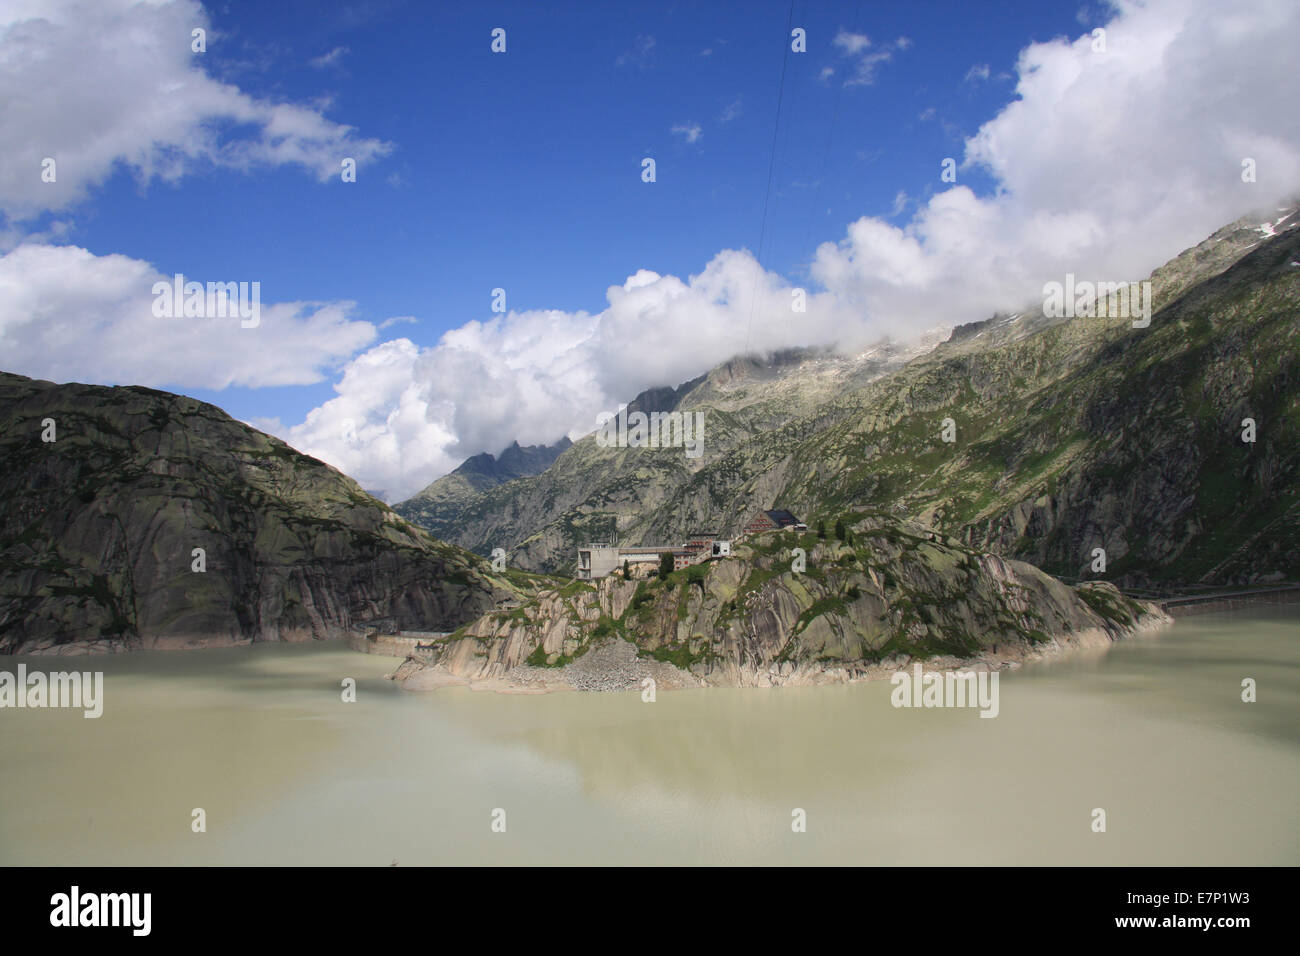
830 138
771 166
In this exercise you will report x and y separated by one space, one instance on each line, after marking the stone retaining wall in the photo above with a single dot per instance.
392 645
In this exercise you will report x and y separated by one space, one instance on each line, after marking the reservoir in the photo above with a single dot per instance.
1153 731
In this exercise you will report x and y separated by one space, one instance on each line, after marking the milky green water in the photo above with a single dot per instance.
1154 732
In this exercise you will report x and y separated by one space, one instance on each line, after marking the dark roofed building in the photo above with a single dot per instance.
776 520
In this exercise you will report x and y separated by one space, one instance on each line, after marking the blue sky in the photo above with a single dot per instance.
522 171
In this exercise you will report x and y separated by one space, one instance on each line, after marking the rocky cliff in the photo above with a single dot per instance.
153 520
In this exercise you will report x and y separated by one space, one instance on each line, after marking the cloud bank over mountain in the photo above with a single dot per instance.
1106 163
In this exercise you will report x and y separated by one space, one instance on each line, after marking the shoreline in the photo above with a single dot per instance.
356 641
614 666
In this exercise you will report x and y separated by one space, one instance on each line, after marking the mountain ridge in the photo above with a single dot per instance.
156 520
651 499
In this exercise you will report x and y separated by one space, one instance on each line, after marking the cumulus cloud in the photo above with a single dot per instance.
1106 164
115 81
404 415
69 315
383 427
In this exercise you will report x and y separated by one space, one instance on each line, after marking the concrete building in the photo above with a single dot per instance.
598 560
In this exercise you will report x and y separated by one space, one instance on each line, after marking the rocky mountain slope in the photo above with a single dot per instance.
1092 434
437 507
889 592
99 529
1070 435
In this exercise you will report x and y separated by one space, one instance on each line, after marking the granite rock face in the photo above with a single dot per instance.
890 593
99 530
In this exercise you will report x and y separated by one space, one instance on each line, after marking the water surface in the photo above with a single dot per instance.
1154 732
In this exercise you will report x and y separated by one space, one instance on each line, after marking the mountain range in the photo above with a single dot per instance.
1070 435
969 470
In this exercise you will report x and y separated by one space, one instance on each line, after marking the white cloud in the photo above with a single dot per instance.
691 132
405 415
1107 164
333 58
384 427
109 81
69 315
980 71
640 54
858 48
851 43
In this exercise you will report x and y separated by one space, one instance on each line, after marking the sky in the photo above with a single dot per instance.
795 147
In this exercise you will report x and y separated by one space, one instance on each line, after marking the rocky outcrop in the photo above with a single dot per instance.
845 610
153 520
